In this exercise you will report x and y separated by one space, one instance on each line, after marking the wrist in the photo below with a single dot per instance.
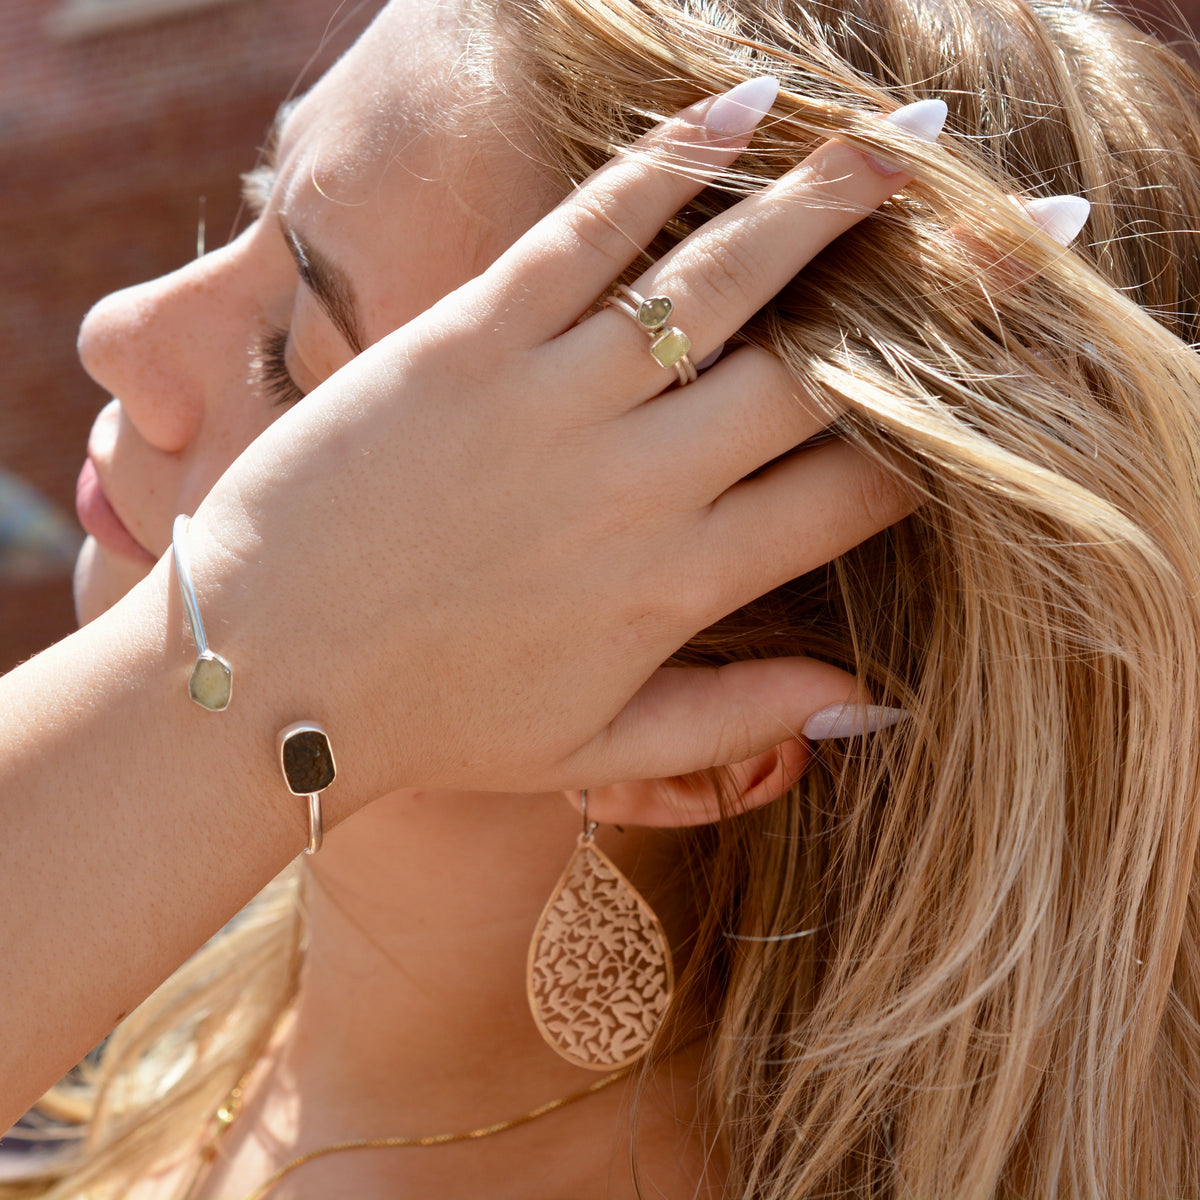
265 724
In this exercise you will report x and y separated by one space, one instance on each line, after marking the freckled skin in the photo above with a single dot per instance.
365 170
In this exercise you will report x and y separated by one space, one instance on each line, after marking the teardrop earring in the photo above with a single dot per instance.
599 974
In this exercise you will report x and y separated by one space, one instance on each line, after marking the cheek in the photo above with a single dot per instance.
218 445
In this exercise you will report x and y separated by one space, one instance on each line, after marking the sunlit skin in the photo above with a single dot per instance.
412 1016
367 177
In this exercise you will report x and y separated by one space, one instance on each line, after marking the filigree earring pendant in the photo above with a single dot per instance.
599 975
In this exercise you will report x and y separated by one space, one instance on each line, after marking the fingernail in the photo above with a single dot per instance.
735 113
923 120
708 360
1059 217
850 720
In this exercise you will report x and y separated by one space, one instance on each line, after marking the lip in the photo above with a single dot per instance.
99 519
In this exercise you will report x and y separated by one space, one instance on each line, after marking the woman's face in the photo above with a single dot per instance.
371 208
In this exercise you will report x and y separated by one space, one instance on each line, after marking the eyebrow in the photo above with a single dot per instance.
329 284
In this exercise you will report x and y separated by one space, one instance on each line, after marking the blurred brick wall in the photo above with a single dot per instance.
106 144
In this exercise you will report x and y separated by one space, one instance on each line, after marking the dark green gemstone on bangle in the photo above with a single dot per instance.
307 761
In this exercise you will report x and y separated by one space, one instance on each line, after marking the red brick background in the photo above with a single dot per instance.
106 144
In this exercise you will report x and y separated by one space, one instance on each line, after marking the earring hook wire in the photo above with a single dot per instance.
588 828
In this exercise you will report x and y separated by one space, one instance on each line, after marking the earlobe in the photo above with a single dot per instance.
696 799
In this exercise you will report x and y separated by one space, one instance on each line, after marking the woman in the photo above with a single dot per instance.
137 864
957 958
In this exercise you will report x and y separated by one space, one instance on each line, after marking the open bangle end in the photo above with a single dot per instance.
306 759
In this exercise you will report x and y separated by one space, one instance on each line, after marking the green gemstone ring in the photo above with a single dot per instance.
669 345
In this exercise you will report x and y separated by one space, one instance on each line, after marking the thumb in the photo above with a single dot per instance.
686 719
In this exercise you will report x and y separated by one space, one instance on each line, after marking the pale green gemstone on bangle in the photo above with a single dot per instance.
670 346
211 682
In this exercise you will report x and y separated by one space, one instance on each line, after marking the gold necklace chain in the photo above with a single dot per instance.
228 1112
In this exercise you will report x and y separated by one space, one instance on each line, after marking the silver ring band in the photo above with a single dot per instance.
669 345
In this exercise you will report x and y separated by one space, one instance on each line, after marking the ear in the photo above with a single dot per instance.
692 799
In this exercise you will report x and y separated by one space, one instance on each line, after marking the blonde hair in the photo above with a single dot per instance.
963 957
959 960
150 1099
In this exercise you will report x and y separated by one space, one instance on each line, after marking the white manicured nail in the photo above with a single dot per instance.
923 120
850 720
1059 217
736 112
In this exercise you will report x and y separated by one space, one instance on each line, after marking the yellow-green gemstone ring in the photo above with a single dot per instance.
669 345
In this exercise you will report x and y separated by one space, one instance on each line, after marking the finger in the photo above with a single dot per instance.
741 414
724 272
692 799
687 719
801 512
749 410
1060 218
571 256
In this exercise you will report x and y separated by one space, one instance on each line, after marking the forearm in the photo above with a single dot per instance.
132 826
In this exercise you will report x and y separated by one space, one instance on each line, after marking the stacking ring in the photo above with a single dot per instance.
668 344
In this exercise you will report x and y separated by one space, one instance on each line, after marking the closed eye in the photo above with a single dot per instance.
269 374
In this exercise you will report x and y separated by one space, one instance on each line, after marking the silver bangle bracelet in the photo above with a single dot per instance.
210 684
305 755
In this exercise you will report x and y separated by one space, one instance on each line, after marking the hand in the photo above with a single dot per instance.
469 551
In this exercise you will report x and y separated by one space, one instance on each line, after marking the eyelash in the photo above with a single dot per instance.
268 368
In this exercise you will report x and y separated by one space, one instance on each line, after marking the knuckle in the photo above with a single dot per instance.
679 602
727 269
492 309
879 494
734 741
698 598
594 222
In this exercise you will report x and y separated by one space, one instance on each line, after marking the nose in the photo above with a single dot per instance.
155 346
